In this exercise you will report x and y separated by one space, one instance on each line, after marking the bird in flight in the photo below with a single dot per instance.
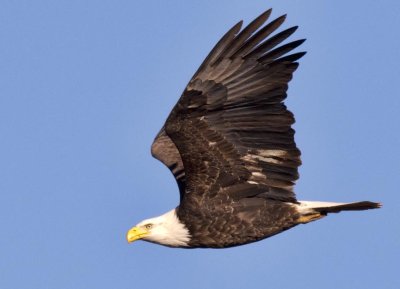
230 146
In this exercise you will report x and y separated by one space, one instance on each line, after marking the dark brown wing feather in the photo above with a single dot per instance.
230 133
166 152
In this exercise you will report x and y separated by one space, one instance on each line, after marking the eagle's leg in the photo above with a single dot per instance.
310 217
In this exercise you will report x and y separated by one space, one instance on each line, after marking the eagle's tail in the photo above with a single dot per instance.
311 211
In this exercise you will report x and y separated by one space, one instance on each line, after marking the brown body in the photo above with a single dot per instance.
237 223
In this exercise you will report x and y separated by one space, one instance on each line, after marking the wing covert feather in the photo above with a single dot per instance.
164 150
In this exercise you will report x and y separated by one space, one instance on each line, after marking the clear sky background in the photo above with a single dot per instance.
86 85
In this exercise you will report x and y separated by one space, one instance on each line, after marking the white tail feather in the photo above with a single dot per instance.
307 206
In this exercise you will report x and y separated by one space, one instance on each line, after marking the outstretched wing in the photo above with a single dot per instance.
230 131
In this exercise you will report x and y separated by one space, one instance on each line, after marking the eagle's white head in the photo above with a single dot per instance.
165 230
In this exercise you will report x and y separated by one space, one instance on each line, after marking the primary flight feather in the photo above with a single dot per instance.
230 146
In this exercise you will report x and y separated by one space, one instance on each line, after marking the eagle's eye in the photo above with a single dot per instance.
148 226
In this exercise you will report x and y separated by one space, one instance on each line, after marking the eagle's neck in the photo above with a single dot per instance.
171 231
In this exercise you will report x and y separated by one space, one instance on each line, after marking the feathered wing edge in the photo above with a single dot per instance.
164 150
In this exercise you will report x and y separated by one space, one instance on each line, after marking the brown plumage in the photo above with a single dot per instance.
230 145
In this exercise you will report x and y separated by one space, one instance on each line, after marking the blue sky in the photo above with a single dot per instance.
86 85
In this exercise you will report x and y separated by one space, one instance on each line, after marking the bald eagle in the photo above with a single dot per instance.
230 146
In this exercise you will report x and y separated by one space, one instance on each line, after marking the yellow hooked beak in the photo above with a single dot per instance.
136 233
